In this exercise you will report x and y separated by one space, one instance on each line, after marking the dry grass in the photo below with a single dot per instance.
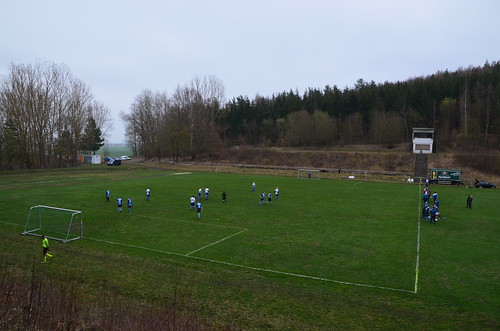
367 162
45 304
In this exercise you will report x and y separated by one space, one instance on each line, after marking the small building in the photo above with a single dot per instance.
90 159
423 145
423 140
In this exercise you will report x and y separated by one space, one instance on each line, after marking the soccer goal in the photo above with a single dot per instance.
308 173
55 223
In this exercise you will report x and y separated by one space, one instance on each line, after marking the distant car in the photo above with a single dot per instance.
106 159
479 184
114 162
124 158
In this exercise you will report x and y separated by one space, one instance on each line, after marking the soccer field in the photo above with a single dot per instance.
327 234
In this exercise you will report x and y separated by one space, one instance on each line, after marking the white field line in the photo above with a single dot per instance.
188 255
21 225
216 242
253 268
45 182
417 263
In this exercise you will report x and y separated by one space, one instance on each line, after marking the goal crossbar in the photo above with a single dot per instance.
74 220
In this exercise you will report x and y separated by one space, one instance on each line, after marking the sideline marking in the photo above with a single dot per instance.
418 238
253 268
11 223
216 242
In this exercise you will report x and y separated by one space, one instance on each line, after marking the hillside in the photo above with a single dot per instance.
371 161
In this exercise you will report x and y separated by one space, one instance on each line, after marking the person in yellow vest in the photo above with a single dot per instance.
45 246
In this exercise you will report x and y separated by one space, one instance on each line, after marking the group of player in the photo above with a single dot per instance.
430 214
269 195
119 200
193 201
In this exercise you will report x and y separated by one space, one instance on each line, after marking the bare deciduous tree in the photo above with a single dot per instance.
46 108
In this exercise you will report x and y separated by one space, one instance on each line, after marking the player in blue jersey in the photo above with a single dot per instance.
433 215
434 197
129 204
119 202
198 209
269 198
436 203
192 201
108 194
425 212
262 197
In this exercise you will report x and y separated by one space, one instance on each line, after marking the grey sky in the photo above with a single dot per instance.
120 48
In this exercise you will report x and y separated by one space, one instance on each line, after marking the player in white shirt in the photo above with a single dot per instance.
277 192
206 193
192 201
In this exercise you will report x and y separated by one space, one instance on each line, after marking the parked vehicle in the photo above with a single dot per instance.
114 162
124 158
445 176
480 184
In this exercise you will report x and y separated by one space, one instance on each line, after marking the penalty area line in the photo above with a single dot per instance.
254 268
216 242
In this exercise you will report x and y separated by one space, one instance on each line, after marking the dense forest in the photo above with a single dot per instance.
463 106
48 116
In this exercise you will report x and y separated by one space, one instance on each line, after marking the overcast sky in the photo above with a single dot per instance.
119 47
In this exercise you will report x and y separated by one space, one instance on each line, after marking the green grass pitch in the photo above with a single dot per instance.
325 236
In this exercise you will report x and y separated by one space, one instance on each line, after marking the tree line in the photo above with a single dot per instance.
47 117
463 106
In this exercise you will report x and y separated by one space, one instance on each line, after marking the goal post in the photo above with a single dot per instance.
308 173
55 223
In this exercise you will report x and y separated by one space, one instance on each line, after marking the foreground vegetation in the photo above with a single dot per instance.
299 264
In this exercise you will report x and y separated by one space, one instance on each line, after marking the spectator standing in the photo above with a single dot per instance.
469 201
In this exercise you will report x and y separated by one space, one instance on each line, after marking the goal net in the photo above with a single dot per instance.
308 173
55 223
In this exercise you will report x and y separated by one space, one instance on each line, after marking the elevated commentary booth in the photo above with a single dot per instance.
423 145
